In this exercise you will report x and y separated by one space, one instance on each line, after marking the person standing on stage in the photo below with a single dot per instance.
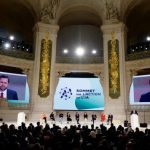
77 116
43 118
68 117
85 116
52 118
93 118
103 117
61 117
110 119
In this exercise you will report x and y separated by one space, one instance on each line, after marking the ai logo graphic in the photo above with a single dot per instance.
65 93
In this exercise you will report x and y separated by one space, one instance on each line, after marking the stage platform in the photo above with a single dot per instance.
65 123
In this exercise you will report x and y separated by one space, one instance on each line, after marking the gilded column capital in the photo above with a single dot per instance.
44 28
117 28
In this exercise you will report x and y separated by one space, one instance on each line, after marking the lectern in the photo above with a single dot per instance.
134 121
20 118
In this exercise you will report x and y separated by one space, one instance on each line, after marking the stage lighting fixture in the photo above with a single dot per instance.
6 45
11 37
65 51
148 38
94 51
80 51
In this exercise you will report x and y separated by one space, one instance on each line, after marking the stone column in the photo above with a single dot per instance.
43 103
115 105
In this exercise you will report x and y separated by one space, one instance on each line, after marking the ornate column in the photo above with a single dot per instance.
44 66
45 54
114 35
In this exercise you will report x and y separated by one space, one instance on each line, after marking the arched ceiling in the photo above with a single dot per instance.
79 17
80 13
16 17
20 16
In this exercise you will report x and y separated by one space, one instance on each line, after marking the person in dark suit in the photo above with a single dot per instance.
77 116
145 97
110 119
52 118
4 91
94 116
68 118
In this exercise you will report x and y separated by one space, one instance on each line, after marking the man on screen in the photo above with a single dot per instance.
145 97
4 91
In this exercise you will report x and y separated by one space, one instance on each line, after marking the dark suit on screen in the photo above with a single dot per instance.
145 97
12 95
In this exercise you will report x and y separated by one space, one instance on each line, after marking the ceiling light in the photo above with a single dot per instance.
80 51
94 51
11 37
65 51
148 38
7 45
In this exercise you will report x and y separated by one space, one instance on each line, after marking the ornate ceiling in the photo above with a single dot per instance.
21 16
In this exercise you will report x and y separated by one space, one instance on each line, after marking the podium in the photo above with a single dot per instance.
20 118
134 121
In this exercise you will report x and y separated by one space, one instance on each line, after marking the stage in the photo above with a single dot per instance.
64 123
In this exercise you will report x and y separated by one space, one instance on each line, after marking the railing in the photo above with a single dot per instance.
16 45
138 51
80 60
16 49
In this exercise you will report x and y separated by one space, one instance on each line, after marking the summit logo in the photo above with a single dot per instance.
65 93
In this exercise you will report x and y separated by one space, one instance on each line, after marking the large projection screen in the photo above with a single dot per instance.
18 83
79 94
140 90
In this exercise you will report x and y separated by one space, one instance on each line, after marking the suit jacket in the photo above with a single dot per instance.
12 95
145 97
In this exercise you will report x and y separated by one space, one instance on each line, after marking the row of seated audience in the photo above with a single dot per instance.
72 138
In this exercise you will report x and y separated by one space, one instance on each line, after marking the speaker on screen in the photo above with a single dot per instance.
15 89
140 90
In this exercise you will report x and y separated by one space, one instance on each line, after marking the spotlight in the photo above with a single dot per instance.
94 51
11 37
6 45
65 51
80 51
148 38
